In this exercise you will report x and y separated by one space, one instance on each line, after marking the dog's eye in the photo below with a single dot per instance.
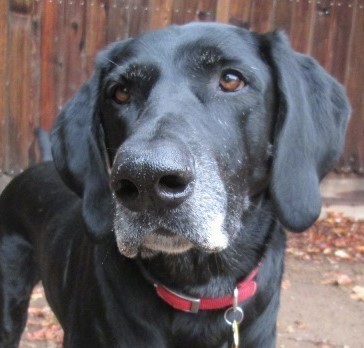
231 81
121 95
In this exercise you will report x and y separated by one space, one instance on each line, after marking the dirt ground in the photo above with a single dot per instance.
315 310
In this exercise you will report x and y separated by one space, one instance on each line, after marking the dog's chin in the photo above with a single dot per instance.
169 244
159 241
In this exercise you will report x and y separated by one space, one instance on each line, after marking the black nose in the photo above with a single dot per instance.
158 176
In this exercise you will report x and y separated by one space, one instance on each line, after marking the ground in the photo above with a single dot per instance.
316 311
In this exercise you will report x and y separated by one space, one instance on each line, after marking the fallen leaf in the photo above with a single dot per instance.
342 254
344 279
338 279
358 293
36 296
300 325
360 248
286 284
290 329
37 312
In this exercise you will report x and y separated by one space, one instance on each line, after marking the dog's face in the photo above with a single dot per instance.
188 123
182 132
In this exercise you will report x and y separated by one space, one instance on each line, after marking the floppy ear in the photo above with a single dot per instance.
313 112
77 149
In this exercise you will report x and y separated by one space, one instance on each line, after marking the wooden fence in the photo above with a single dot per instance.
47 49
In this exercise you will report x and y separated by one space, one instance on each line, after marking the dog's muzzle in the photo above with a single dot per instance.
166 201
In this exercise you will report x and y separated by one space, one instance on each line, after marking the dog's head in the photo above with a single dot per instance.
182 131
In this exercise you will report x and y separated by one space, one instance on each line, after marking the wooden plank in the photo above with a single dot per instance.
283 13
360 91
3 82
50 62
178 12
184 11
341 32
161 13
354 149
35 87
261 15
20 113
190 10
74 59
322 36
95 38
223 11
303 23
117 21
240 13
139 17
206 10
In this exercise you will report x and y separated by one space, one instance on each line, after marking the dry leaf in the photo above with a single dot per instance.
342 254
360 248
358 293
344 279
300 325
339 279
286 284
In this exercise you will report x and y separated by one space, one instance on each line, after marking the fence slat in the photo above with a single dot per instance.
178 11
223 11
51 62
240 13
3 83
74 59
161 13
117 17
283 13
20 114
322 37
190 10
261 15
354 150
302 28
341 34
139 17
206 10
94 39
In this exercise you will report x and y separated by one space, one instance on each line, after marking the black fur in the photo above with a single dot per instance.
180 155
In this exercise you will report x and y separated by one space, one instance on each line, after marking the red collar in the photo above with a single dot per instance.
246 289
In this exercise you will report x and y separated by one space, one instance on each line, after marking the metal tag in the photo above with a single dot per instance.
235 328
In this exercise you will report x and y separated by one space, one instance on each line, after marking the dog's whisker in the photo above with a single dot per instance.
110 61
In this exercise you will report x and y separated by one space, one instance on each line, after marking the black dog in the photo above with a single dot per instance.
179 162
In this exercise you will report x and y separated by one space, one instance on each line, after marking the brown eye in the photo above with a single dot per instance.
121 95
231 82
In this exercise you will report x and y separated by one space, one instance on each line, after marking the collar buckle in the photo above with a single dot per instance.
195 302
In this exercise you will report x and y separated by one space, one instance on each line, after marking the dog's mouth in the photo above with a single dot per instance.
175 234
162 240
166 240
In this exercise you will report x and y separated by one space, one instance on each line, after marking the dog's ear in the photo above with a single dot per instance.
313 112
78 154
